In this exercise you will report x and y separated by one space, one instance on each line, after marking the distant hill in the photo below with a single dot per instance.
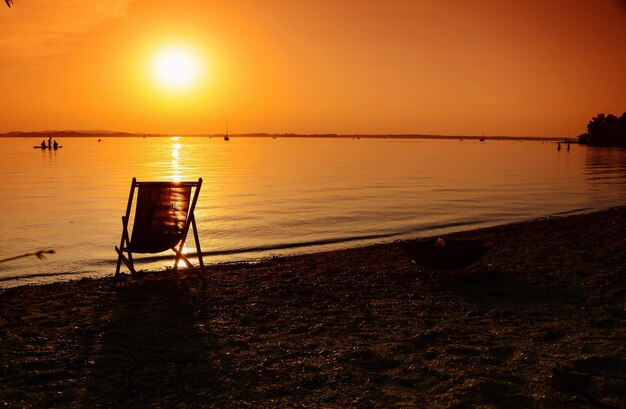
73 134
397 136
109 134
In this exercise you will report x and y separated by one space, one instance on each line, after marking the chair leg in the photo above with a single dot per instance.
198 249
119 252
179 251
119 263
124 245
180 257
128 263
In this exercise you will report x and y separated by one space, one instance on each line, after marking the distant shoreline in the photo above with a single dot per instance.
106 134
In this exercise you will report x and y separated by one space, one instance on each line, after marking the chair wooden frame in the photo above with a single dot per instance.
124 246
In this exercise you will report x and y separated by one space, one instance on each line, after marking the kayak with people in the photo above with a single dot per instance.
52 144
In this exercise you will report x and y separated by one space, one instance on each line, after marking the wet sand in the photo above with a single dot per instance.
542 327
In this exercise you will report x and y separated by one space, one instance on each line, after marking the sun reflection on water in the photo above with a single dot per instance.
176 177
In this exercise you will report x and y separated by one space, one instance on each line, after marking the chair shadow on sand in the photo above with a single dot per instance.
153 349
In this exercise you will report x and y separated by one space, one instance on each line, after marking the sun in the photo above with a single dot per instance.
175 68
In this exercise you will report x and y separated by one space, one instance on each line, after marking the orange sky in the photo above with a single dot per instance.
437 67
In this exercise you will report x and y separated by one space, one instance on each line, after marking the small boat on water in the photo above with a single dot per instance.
226 138
446 255
52 144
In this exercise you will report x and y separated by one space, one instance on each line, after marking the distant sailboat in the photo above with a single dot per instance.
226 138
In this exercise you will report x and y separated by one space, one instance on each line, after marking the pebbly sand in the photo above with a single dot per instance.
543 327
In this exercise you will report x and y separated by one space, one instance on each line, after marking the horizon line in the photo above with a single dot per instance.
86 133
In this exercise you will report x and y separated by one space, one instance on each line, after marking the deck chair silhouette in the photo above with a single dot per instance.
163 214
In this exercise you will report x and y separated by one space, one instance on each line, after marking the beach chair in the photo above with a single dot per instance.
163 214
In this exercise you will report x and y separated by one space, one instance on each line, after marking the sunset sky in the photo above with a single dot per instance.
519 68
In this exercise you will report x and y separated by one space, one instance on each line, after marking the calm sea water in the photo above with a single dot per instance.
264 197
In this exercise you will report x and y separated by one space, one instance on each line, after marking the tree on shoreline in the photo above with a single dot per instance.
605 130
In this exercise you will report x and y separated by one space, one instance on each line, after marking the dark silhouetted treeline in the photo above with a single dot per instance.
605 130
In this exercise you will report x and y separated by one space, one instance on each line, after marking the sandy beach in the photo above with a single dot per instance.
543 326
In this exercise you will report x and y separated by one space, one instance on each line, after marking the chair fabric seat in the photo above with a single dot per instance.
160 217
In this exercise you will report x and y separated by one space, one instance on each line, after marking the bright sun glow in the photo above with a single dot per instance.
175 68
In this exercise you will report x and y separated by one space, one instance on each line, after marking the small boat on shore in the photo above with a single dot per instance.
447 255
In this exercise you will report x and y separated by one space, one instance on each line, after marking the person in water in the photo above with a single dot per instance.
56 144
43 144
50 143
